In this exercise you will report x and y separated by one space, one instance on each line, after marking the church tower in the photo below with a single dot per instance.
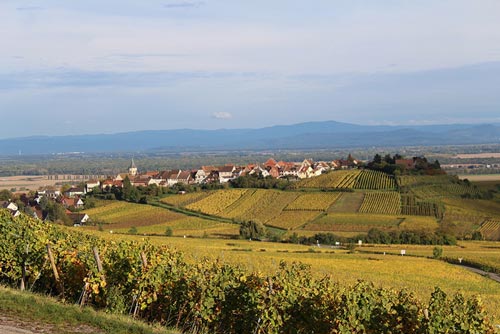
132 170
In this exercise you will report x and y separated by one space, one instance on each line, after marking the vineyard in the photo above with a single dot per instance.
217 201
185 199
351 179
353 223
445 190
290 220
157 284
410 205
126 215
381 202
490 229
415 223
415 180
374 180
348 202
272 205
189 226
335 179
313 201
238 209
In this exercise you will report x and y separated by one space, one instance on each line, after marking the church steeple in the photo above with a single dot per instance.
132 170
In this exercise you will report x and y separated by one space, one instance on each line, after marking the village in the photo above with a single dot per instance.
65 203
40 203
223 174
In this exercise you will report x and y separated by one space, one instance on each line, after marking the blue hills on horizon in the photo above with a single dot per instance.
302 136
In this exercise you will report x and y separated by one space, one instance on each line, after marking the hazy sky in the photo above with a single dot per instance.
93 66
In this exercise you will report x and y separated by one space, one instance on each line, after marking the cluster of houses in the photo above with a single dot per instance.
70 199
222 174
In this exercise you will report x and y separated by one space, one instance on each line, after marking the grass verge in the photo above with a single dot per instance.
33 312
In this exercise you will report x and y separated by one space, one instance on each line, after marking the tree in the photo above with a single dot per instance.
437 252
57 213
252 230
90 202
5 195
127 188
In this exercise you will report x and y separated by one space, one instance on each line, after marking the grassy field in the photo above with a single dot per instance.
39 314
480 178
23 183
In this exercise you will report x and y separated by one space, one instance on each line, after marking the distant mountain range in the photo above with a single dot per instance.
311 135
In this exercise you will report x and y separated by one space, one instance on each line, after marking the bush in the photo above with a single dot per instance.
252 230
437 252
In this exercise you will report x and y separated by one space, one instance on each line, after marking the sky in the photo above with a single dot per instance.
93 66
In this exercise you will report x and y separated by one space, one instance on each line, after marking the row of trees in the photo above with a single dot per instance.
377 236
388 165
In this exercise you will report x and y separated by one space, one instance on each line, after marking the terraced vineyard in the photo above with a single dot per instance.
313 201
217 201
382 202
490 229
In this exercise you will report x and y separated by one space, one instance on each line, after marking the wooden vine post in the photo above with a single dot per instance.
54 270
99 263
100 270
144 261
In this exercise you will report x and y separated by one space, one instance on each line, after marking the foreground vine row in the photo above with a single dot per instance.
157 284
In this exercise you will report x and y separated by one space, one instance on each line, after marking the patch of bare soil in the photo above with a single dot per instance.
10 324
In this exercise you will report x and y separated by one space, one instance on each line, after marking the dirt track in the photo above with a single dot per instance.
17 325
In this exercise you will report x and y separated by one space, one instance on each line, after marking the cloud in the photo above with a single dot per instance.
149 55
185 4
222 115
29 8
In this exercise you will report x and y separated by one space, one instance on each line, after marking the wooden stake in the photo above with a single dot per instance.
98 260
23 278
53 263
144 260
54 269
